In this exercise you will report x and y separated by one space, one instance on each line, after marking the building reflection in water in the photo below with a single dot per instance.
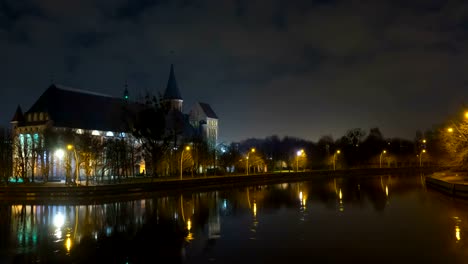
173 221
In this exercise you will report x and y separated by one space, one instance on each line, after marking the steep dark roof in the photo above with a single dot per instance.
72 108
208 110
172 90
18 117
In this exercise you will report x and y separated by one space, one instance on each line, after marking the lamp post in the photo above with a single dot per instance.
252 150
380 162
334 158
298 154
71 147
420 157
182 159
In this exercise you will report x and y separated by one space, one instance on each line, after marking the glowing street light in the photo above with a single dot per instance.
298 154
450 130
334 158
71 147
420 157
187 148
59 153
380 162
252 150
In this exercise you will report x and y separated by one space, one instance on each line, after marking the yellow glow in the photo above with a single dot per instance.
386 190
69 147
340 195
457 233
424 141
189 225
338 151
255 209
187 148
253 150
68 244
384 151
423 151
142 166
300 195
450 130
466 114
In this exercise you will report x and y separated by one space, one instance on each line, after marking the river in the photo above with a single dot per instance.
372 219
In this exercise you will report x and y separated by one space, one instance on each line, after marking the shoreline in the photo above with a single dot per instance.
127 191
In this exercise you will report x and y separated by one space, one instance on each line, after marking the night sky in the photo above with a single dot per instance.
298 68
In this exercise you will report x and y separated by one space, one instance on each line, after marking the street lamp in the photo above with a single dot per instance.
182 159
298 154
59 153
71 147
334 158
383 152
420 157
252 150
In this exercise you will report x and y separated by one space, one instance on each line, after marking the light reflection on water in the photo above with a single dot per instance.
392 217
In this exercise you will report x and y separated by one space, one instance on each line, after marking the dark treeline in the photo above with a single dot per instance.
356 149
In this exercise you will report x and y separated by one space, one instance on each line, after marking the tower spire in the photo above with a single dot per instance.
126 95
172 94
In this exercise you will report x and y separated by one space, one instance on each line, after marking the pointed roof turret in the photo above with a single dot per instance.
172 91
126 91
18 117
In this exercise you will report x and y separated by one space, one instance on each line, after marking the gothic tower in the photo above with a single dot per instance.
172 98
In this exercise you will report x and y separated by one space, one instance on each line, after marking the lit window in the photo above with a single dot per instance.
79 131
95 133
109 134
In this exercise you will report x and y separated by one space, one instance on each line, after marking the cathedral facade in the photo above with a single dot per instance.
44 145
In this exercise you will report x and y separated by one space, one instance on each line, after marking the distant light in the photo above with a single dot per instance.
68 244
126 97
59 153
79 131
187 148
424 141
466 114
423 151
255 209
109 134
300 195
340 195
189 225
457 233
386 190
69 147
338 151
59 220
450 130
95 133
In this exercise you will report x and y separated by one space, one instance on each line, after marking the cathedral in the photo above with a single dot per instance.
78 113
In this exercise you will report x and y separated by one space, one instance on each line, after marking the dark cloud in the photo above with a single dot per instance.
304 68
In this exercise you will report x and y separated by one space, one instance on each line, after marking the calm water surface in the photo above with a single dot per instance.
388 219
